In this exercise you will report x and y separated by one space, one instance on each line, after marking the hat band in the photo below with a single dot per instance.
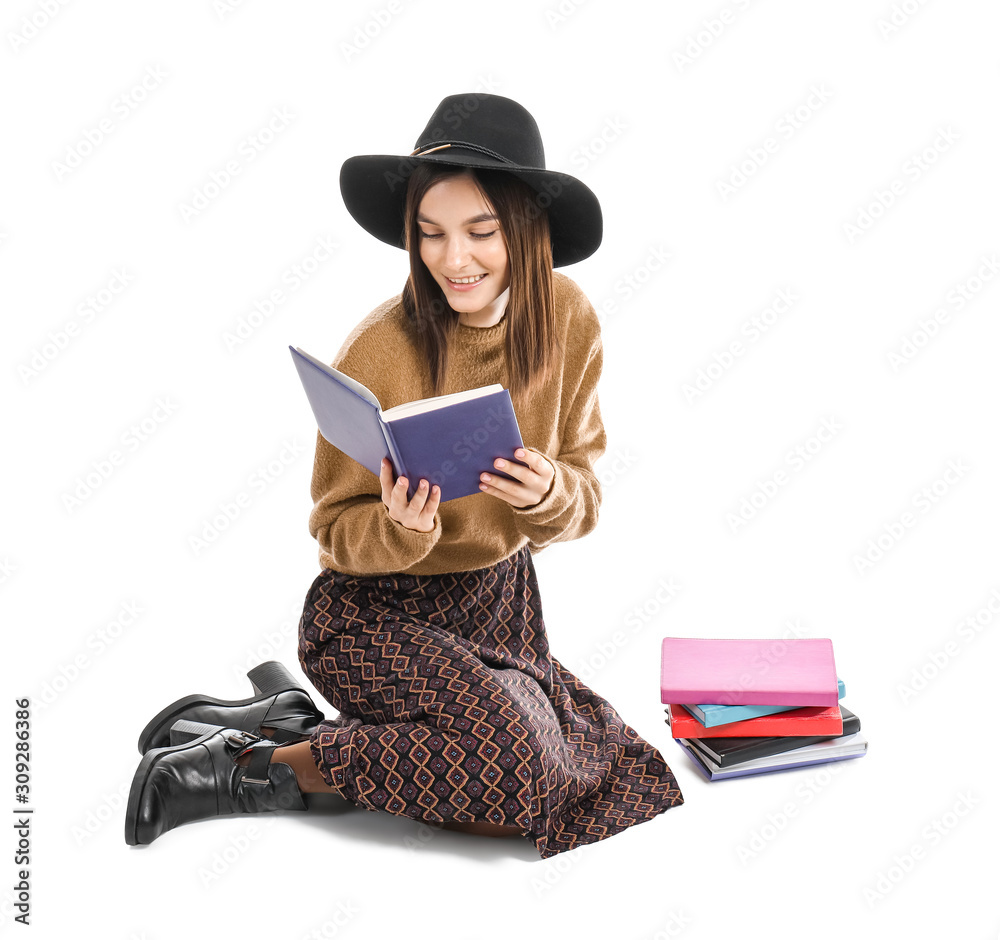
475 148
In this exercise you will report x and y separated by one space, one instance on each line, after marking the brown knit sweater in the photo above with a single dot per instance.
349 519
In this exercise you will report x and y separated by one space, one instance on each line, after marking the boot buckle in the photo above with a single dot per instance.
241 739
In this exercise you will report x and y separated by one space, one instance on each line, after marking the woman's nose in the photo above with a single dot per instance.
456 253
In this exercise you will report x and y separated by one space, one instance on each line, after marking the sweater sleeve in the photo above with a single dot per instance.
569 509
349 520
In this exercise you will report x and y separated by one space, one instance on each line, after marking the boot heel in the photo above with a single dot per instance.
270 678
276 692
183 731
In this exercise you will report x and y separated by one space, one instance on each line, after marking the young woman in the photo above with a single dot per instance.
424 628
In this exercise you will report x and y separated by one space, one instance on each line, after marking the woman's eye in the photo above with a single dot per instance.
424 234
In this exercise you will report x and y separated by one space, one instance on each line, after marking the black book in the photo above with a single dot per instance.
728 751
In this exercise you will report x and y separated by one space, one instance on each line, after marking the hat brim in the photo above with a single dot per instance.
374 191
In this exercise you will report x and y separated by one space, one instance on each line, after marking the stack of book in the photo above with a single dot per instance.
740 707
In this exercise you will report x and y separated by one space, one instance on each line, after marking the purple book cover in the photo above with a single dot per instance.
795 672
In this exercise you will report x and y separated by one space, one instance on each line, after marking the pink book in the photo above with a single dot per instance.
747 672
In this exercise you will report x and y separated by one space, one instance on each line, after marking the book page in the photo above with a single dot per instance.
440 401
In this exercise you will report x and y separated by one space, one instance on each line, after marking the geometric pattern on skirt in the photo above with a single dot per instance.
452 708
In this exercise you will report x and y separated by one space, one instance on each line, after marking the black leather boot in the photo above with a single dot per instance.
201 779
280 703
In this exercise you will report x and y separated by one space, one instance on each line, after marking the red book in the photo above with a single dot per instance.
800 721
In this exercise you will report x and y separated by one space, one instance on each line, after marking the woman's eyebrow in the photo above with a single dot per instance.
485 217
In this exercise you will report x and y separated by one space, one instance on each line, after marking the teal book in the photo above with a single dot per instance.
713 715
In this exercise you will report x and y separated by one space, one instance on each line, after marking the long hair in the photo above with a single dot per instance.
532 347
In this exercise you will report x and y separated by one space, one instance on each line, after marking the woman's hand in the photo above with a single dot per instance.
531 483
417 513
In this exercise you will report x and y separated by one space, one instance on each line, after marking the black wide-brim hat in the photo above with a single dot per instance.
479 131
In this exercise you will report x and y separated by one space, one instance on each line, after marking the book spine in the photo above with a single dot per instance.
398 464
727 714
696 710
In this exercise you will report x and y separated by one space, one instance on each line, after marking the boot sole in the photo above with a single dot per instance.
149 760
267 679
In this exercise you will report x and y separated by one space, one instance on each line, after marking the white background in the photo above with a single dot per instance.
652 105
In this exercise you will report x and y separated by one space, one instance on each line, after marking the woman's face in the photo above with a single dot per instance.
462 245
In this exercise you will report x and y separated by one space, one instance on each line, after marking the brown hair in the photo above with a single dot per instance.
532 346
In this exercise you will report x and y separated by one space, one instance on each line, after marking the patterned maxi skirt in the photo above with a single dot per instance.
452 708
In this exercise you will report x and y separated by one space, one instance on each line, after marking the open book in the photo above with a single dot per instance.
448 440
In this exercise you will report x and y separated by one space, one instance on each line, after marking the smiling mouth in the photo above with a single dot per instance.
466 280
